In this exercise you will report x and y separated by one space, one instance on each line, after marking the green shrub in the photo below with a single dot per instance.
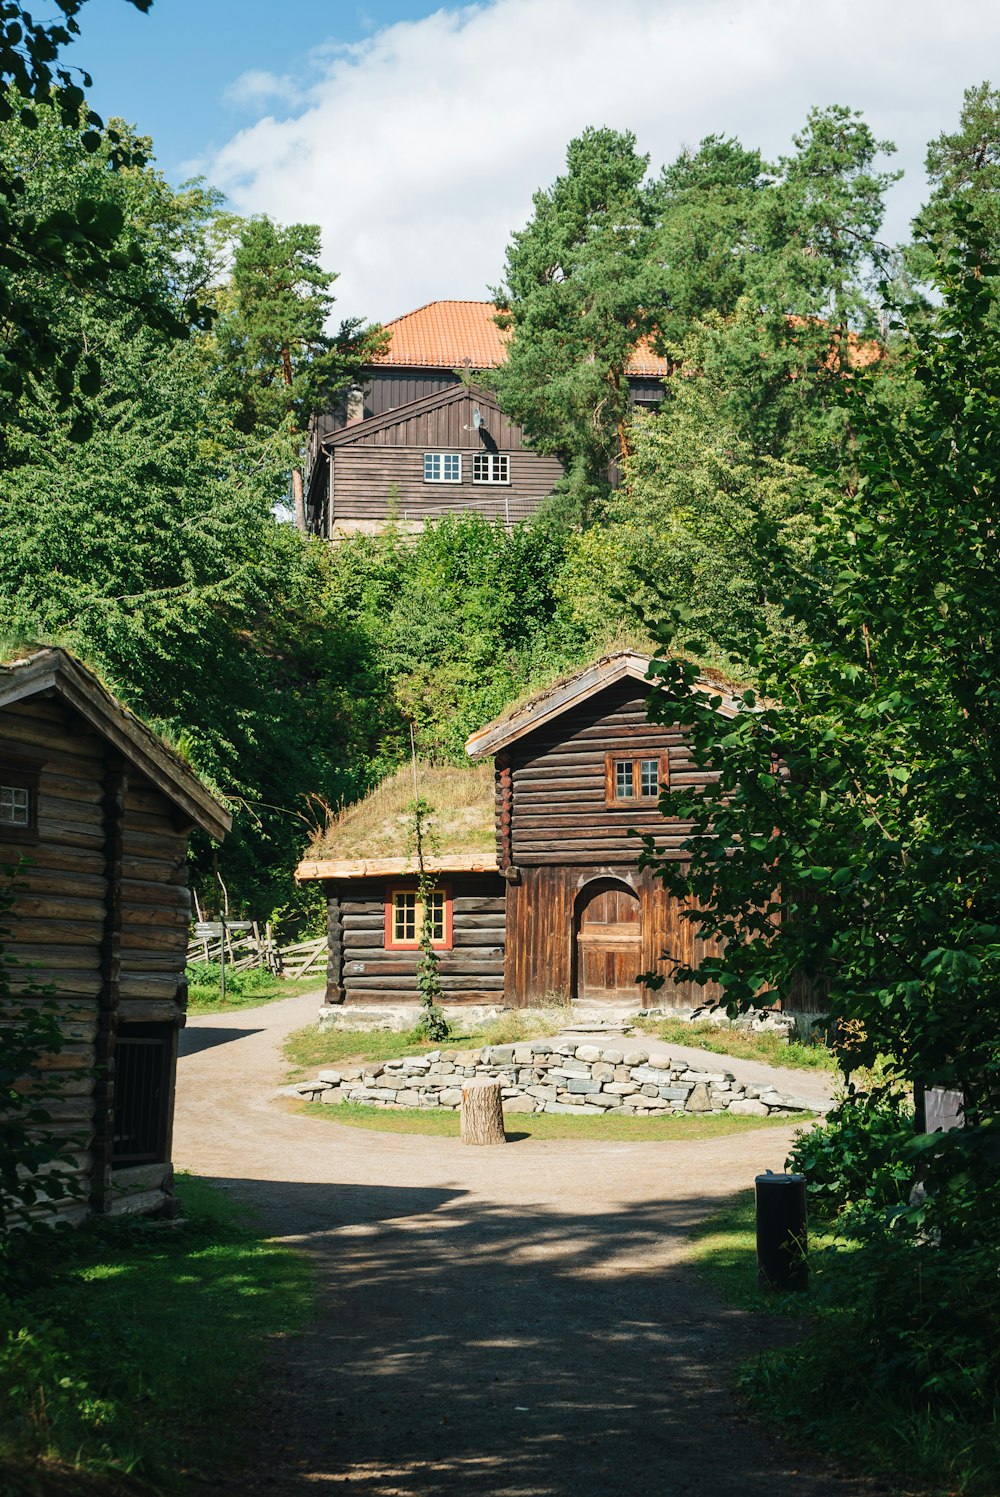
856 1161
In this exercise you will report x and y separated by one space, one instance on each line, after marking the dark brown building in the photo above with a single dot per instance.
367 866
95 814
560 908
415 439
577 768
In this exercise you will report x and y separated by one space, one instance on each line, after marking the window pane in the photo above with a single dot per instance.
452 467
436 915
15 806
404 915
649 777
432 467
623 780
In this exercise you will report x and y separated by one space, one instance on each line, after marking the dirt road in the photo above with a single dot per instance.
512 1322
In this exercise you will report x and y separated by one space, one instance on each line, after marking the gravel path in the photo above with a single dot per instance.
513 1322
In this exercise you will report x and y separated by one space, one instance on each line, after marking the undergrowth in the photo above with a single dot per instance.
129 1349
245 989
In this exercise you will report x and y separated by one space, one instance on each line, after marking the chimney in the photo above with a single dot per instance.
354 406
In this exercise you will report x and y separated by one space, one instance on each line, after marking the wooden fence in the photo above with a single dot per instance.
254 947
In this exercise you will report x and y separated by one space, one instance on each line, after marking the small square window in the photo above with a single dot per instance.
631 780
15 806
490 467
442 467
405 914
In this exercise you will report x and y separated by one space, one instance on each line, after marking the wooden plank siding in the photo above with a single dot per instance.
375 483
375 467
556 828
362 971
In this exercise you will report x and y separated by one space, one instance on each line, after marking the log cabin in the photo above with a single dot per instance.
417 438
95 815
571 915
367 865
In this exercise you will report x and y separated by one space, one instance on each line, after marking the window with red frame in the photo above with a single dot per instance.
631 780
405 916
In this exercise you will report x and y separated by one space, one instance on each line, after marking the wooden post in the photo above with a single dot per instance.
482 1113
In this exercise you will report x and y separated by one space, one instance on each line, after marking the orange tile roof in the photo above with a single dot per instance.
462 334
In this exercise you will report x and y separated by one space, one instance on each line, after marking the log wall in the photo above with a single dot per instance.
362 971
102 915
557 828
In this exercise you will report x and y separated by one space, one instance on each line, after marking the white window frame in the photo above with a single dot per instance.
15 806
497 467
435 464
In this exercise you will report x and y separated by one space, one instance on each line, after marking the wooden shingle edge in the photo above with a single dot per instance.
569 692
55 669
322 868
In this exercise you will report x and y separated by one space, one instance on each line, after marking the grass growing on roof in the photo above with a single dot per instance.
381 825
131 1350
611 1127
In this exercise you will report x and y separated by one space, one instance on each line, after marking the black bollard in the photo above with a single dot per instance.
781 1231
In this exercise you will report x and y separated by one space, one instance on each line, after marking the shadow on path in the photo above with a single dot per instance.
464 1345
192 1041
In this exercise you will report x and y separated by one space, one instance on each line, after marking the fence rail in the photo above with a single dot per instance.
254 947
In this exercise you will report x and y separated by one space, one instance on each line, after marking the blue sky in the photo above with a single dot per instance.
415 133
169 71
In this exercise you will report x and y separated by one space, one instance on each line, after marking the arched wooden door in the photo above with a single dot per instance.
608 943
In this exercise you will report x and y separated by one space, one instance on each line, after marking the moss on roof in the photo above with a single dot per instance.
381 825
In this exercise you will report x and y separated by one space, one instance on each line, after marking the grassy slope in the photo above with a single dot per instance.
205 997
158 1330
611 1128
723 1039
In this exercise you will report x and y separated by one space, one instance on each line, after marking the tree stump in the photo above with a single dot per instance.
482 1113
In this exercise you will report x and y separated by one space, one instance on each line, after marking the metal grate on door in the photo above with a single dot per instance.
142 1078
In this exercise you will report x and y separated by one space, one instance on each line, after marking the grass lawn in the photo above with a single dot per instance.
130 1351
723 1039
307 1048
811 1390
441 1122
243 989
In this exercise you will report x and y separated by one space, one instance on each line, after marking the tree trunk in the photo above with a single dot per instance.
298 494
482 1113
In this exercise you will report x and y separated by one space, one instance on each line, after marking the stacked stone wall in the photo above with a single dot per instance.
541 1076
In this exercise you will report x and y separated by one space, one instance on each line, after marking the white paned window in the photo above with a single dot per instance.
15 806
442 467
649 777
624 789
490 467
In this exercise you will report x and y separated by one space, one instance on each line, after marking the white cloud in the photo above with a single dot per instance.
254 87
418 150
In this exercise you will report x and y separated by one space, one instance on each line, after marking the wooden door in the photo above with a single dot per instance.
609 944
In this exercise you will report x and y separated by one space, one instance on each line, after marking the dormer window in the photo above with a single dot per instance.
442 467
491 467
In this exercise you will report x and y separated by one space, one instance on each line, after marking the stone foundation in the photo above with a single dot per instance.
541 1076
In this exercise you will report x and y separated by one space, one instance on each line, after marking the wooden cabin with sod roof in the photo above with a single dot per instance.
95 815
366 861
549 904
